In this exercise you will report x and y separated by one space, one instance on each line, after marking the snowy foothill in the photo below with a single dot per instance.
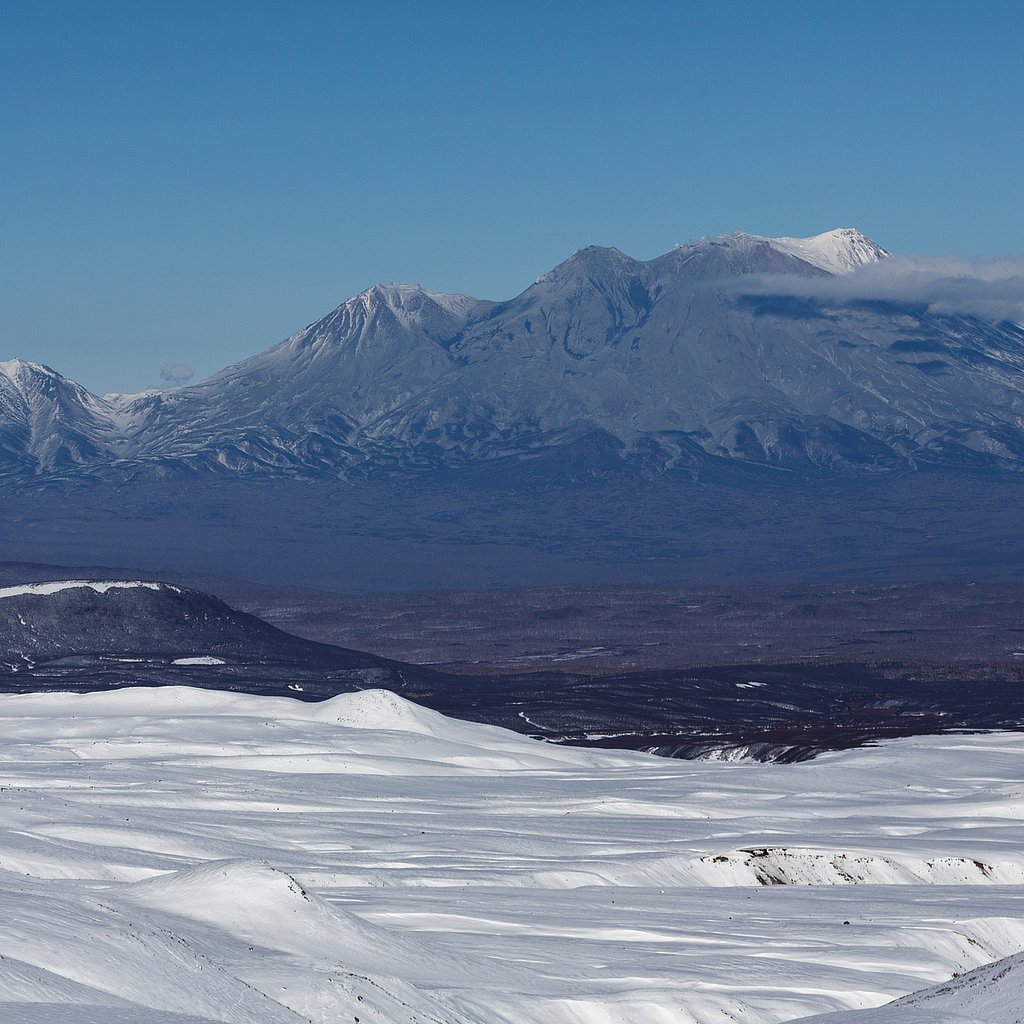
180 856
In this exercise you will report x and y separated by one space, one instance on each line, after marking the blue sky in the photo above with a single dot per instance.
191 182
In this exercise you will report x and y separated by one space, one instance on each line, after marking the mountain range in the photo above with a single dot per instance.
703 356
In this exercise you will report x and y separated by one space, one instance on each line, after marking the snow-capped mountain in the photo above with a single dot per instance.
682 359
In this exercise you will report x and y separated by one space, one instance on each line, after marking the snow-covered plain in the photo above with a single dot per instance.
175 856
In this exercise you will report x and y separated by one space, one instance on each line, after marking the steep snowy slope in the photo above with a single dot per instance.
235 859
993 994
303 405
840 251
49 424
662 363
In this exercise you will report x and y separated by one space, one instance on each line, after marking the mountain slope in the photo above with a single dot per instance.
992 994
683 360
49 424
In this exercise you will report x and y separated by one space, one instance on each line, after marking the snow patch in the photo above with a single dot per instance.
14 368
99 586
381 709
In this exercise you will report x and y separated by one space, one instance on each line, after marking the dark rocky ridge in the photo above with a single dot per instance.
102 634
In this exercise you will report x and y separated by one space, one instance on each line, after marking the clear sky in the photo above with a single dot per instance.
192 181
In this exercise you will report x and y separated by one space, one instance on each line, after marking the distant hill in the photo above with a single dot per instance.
94 634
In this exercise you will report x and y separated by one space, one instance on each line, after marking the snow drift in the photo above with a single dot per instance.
171 855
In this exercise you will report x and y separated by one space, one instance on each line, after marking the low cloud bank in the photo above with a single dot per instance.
992 289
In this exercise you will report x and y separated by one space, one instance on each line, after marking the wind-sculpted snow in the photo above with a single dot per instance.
177 856
677 362
993 994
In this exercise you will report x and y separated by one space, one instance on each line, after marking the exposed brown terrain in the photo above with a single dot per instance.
954 628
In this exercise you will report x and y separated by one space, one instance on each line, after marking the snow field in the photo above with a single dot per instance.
179 855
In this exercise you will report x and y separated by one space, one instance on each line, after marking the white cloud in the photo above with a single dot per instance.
992 289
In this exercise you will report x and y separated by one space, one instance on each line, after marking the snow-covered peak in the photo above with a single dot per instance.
725 257
407 300
99 586
840 251
394 293
16 369
590 261
35 380
599 254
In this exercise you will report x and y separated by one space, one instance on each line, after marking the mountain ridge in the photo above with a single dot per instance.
672 362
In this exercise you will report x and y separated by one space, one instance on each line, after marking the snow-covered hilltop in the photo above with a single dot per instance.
179 855
704 355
